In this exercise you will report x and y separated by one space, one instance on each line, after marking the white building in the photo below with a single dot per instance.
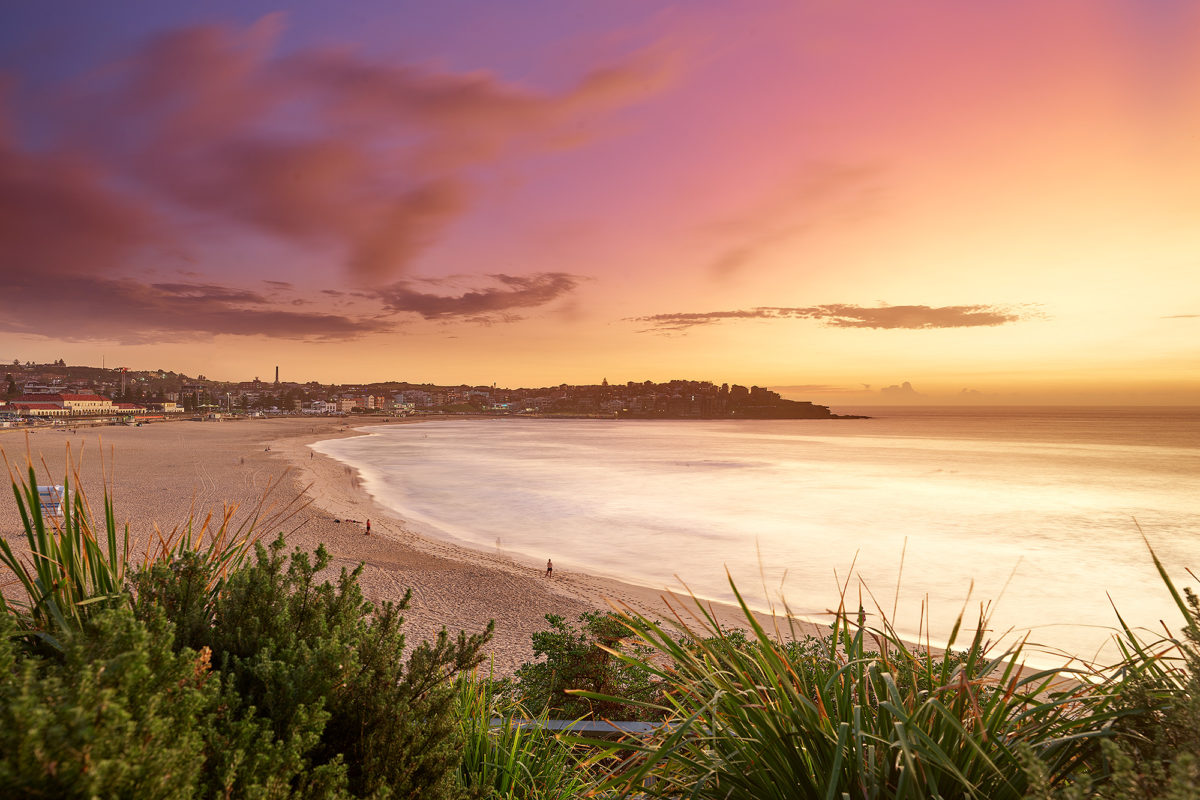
67 404
85 403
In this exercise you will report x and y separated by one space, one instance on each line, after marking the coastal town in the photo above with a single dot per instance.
55 393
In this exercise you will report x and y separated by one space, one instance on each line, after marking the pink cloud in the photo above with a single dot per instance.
58 217
514 292
328 149
326 146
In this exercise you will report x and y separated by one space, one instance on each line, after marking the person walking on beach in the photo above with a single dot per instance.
368 527
549 568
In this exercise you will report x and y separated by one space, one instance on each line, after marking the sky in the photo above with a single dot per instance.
850 202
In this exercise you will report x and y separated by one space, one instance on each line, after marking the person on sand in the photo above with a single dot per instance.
368 527
549 568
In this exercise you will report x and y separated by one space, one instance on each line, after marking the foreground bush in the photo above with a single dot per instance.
116 714
321 674
217 675
571 660
70 577
861 715
294 688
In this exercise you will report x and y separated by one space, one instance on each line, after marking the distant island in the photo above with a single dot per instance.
58 390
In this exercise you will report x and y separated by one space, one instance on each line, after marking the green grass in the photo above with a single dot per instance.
509 760
862 714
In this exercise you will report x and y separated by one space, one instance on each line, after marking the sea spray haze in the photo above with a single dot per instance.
1047 496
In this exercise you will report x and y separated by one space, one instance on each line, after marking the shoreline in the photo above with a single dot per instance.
602 591
160 471
427 534
339 489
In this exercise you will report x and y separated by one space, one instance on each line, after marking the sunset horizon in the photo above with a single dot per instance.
992 205
604 398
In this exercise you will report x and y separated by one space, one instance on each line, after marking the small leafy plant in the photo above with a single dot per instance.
586 658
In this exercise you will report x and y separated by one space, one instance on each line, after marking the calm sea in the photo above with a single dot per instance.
1039 500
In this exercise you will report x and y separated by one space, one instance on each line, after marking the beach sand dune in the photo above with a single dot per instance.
161 471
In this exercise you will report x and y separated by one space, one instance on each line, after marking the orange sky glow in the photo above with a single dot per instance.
994 202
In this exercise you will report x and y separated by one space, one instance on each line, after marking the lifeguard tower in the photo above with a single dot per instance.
51 499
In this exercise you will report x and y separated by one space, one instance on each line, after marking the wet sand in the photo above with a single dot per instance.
161 471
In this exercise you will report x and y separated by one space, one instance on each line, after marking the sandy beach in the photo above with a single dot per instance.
160 471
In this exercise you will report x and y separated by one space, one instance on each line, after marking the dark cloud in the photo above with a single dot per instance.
86 308
471 116
65 238
687 319
57 215
323 147
847 316
1182 316
513 292
206 293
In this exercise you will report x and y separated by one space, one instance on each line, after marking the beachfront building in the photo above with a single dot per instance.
67 405
79 404
28 408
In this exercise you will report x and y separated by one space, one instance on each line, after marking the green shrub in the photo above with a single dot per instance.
230 679
117 713
321 674
584 659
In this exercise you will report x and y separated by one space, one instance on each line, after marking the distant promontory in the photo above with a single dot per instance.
37 390
704 400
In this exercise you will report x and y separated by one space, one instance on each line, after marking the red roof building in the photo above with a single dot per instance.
38 409
71 403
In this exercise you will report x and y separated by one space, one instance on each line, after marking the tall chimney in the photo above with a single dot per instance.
276 373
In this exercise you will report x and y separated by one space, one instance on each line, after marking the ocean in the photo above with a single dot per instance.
1030 511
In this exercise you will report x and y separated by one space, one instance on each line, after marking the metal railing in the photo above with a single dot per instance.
583 725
